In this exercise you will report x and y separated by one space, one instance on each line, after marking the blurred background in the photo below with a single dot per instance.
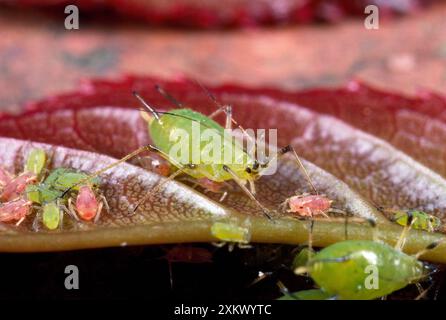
290 44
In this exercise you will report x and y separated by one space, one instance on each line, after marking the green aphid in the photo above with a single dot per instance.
363 270
41 193
229 232
35 161
51 215
420 219
62 179
312 294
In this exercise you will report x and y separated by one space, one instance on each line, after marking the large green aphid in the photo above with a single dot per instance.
201 148
363 270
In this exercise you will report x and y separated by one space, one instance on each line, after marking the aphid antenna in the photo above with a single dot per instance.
148 107
168 96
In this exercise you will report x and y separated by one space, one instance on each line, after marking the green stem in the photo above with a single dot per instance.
286 231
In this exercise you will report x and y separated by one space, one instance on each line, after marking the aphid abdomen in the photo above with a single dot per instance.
190 137
346 269
86 203
51 216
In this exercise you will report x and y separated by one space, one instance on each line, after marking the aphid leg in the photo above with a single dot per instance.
133 154
98 212
105 202
223 196
218 244
242 186
429 247
284 205
423 292
72 210
61 215
284 290
402 239
430 228
244 245
310 239
252 187
322 213
227 109
18 223
35 224
261 276
346 227
155 189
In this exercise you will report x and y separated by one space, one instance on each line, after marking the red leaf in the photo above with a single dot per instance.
369 165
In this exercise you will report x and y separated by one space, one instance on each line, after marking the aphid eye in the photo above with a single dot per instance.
255 166
248 169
